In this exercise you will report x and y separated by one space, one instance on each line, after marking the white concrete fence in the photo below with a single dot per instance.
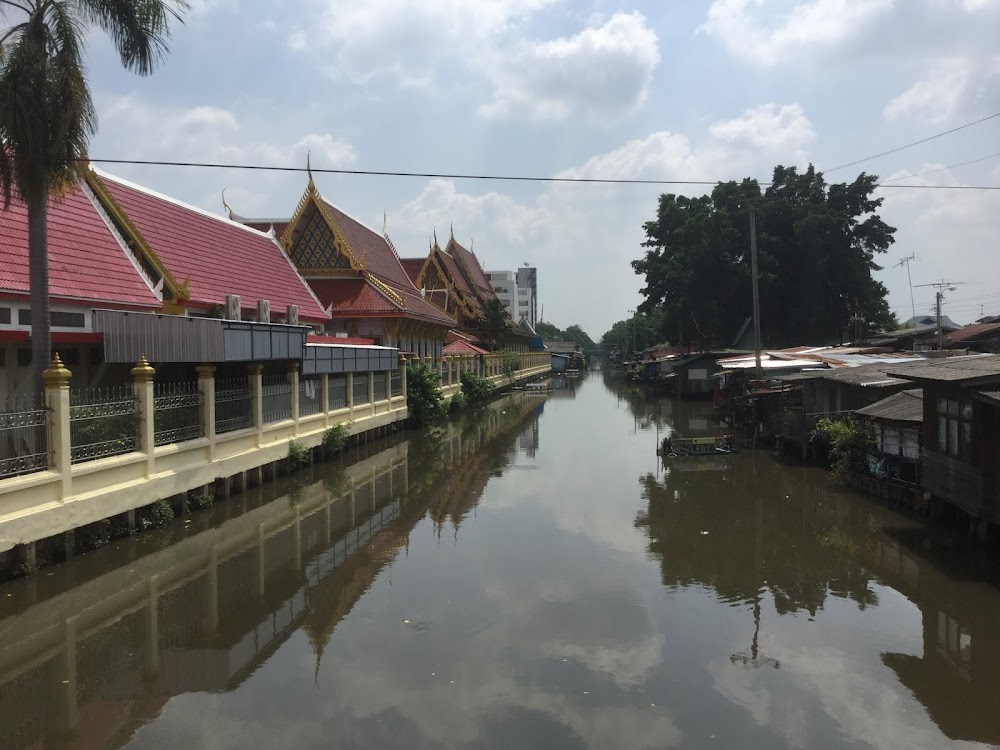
164 440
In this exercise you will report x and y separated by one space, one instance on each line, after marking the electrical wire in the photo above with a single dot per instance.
911 145
463 176
942 169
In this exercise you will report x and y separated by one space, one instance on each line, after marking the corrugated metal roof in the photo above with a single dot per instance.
968 368
905 406
973 332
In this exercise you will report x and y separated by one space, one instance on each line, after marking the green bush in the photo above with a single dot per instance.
476 388
423 397
154 516
201 501
510 363
457 403
93 535
335 438
298 455
850 442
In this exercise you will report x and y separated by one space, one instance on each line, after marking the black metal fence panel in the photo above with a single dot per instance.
233 405
176 412
23 435
102 422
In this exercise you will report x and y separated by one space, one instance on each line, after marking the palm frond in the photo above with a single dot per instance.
139 29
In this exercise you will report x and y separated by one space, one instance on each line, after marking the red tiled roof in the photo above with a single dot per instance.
86 262
354 296
219 256
463 347
413 267
265 226
477 275
371 248
417 305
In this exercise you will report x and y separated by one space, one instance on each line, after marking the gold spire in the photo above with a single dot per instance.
309 171
385 222
56 374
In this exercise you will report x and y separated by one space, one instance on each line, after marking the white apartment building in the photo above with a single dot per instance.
520 300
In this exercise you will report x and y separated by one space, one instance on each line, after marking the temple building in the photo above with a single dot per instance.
358 277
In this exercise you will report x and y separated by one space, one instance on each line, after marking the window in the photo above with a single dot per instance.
954 427
57 318
4 315
24 357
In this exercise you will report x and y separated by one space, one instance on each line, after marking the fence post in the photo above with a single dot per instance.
293 382
145 409
206 386
256 382
324 397
371 390
402 373
56 378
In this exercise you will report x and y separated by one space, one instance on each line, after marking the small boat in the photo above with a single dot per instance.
673 447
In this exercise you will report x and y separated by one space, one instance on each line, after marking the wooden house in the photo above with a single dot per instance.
897 423
960 455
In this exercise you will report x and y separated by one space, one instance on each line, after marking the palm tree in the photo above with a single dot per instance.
47 116
495 321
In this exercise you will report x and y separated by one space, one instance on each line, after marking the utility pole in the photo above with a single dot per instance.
756 293
941 287
907 260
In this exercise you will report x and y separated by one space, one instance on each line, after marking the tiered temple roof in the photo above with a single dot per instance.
354 270
200 257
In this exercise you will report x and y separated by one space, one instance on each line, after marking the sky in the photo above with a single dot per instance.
649 89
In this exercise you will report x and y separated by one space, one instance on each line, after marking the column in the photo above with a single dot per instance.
56 378
324 398
439 369
257 399
371 390
145 408
402 373
206 386
293 382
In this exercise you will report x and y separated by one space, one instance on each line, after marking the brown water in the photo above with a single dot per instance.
533 578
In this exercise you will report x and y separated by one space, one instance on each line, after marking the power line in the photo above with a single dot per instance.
462 176
942 169
911 145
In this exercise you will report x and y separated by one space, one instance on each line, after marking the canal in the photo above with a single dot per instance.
530 577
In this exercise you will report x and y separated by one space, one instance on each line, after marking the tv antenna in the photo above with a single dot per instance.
906 261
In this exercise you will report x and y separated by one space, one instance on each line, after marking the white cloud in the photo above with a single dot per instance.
139 129
748 31
768 127
605 70
935 97
405 42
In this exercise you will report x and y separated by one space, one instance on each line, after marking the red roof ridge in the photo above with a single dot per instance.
179 203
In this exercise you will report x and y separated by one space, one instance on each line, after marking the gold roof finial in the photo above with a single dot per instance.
435 235
452 224
385 222
226 206
312 184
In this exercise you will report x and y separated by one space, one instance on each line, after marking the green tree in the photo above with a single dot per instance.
548 332
495 322
47 116
817 246
579 337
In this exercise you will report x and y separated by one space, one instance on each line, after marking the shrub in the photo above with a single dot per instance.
201 501
423 397
335 438
93 535
457 403
850 441
154 516
298 455
510 363
475 388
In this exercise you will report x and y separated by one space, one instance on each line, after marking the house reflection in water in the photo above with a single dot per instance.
90 665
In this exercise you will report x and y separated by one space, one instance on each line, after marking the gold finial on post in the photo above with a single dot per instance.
143 372
56 374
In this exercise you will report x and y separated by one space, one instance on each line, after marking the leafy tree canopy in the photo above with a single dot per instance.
548 332
816 247
638 333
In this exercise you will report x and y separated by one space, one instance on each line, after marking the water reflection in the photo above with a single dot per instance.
537 578
88 666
